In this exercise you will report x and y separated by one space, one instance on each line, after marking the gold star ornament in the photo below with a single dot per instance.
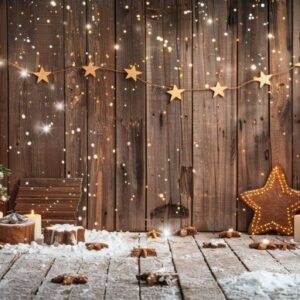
90 69
274 205
218 90
132 73
175 93
42 75
263 79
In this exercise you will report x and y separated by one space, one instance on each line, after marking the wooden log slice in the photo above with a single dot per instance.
64 234
17 233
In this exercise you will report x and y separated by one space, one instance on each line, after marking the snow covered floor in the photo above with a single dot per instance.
234 272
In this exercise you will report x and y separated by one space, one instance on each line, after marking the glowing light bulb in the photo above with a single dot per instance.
59 106
166 232
24 73
46 128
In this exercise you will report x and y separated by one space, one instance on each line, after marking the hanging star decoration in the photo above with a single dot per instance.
175 93
90 69
263 79
218 90
132 73
274 205
42 75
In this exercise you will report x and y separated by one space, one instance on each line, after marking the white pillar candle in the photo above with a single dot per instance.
297 228
38 224
1 214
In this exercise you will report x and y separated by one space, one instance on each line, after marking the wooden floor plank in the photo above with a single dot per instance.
49 290
25 276
196 280
162 263
121 280
288 259
96 270
253 259
6 261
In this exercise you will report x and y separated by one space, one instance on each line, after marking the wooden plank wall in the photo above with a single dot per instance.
147 162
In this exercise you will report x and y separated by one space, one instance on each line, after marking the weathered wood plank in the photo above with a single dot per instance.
49 290
288 259
183 51
253 259
162 263
280 16
223 263
18 284
196 280
101 116
130 117
75 97
214 120
6 261
96 270
296 96
3 91
253 105
121 280
35 34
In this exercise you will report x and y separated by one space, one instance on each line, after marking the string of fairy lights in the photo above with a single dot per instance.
132 73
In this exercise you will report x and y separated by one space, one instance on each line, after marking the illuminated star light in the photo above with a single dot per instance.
24 73
59 106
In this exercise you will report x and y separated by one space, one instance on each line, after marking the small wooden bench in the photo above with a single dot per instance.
56 199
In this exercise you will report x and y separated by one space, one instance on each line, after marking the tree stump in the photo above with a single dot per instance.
17 233
64 234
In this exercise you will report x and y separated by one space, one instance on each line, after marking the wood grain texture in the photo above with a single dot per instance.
32 105
3 92
214 120
169 135
253 104
130 117
101 116
75 98
296 96
280 17
147 162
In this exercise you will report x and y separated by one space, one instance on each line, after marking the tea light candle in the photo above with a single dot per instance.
38 224
297 228
1 214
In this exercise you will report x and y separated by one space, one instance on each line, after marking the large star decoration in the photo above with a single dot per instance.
263 79
274 205
218 90
132 73
42 75
90 69
175 93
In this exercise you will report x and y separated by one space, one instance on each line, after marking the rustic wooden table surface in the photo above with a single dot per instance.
201 271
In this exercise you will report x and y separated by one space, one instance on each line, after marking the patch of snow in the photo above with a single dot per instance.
262 283
216 242
120 244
